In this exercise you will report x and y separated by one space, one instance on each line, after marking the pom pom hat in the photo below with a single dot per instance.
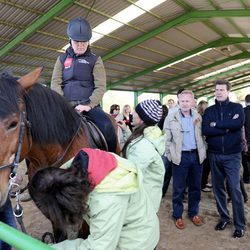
150 111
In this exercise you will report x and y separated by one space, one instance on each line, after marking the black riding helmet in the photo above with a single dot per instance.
79 30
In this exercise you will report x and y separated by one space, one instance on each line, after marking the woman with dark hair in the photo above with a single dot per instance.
104 189
146 145
114 110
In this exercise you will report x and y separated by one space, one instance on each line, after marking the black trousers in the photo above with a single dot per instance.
205 173
103 122
246 168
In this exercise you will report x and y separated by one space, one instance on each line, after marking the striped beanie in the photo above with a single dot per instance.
150 111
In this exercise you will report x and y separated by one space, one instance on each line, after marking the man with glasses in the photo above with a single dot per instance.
80 76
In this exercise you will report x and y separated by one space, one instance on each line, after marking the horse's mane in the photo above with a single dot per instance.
52 119
10 95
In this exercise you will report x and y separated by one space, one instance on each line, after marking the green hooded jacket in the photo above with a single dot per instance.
120 214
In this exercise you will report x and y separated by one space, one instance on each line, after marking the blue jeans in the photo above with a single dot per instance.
227 167
7 216
187 174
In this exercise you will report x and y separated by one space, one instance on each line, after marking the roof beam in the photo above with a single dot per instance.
214 44
191 72
192 16
45 18
233 89
243 87
219 75
235 78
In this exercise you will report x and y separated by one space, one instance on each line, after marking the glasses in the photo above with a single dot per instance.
117 109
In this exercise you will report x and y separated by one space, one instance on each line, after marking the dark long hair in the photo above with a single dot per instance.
52 119
61 194
113 107
136 133
10 95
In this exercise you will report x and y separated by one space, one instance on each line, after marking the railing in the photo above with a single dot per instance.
20 240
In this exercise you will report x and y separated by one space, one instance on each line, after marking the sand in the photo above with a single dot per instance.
192 237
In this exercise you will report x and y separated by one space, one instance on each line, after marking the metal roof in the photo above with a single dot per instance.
32 34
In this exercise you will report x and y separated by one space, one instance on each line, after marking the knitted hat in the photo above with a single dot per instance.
150 111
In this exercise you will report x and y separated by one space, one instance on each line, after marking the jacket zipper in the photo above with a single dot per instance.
221 117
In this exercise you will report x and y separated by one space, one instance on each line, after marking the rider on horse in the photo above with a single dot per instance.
80 76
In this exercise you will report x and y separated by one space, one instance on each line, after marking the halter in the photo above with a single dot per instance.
14 165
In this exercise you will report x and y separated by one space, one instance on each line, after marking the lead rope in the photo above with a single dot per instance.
14 191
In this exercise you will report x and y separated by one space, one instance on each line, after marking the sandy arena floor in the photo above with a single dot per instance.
191 238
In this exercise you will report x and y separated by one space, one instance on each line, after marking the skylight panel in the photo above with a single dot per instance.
184 59
223 70
123 17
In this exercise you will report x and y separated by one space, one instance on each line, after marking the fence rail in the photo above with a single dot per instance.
20 240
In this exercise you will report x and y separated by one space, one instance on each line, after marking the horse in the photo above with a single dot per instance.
36 124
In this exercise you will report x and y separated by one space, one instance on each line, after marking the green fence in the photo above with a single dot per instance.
20 240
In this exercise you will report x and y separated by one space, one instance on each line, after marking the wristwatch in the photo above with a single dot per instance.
212 124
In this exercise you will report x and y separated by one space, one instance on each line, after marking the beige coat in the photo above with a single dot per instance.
174 137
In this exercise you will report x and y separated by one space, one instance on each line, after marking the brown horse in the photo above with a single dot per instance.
38 124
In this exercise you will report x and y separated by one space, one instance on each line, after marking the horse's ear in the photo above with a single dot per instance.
31 78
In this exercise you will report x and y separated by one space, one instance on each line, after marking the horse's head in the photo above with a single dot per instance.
11 116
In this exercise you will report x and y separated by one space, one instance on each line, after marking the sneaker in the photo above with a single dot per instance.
206 189
209 185
238 233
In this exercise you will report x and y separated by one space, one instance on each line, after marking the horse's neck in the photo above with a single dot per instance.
46 155
55 154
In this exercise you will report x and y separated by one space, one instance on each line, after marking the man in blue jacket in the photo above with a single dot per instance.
222 125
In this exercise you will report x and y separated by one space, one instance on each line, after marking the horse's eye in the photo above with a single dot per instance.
12 125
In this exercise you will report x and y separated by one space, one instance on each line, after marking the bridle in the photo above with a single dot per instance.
14 165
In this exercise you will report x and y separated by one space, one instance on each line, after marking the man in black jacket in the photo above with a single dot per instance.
246 155
247 120
222 125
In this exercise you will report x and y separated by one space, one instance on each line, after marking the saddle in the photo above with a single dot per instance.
95 136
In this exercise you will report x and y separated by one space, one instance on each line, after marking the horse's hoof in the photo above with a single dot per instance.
24 197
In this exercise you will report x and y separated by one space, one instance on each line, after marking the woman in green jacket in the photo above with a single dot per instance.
107 191
145 147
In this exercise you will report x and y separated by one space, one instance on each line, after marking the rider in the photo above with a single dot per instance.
80 76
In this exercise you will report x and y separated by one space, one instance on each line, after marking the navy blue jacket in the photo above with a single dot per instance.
247 123
226 136
77 72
